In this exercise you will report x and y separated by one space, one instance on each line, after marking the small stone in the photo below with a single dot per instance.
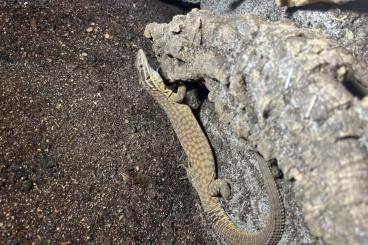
33 23
89 29
39 212
107 36
84 54
126 121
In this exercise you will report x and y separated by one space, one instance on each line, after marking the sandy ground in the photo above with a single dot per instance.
85 155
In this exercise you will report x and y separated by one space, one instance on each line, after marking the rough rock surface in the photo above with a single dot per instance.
294 95
346 23
248 206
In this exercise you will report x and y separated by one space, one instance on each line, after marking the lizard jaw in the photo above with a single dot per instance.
148 76
142 65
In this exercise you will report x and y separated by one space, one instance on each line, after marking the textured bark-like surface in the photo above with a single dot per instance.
346 23
293 94
248 205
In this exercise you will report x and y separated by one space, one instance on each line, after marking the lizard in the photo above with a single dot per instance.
202 169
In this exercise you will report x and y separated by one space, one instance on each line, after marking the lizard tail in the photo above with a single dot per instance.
272 231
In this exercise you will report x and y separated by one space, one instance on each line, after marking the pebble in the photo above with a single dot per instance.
107 36
89 29
33 23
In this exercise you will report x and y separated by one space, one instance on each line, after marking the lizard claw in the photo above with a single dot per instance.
187 170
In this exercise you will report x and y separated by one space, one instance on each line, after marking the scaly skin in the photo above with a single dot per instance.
201 171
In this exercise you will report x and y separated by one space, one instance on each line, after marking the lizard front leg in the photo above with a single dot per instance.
220 187
179 95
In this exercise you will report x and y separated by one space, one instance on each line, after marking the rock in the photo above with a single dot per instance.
348 23
300 93
248 205
89 29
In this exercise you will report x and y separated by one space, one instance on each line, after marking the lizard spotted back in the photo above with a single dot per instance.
202 172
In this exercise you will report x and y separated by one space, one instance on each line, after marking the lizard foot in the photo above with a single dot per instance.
187 171
220 187
179 95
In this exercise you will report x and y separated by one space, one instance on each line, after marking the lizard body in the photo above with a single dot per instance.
202 170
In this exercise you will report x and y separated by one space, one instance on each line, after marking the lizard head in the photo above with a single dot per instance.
148 76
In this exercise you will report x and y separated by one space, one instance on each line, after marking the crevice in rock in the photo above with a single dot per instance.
354 88
348 137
